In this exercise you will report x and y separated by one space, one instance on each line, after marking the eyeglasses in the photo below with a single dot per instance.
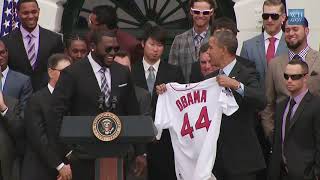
204 12
293 76
274 16
115 49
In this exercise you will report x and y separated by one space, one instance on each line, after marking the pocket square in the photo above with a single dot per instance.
123 85
313 73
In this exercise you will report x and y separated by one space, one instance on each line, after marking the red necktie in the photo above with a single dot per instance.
271 49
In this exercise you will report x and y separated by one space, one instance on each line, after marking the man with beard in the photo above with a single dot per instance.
276 91
81 86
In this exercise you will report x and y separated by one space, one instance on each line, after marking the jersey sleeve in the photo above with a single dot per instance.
162 120
228 103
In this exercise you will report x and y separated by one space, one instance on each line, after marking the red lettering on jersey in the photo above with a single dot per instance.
184 102
204 96
190 99
196 96
179 105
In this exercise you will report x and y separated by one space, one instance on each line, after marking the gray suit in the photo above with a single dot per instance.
18 85
10 128
254 50
183 52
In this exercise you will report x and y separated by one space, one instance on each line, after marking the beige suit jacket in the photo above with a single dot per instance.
276 90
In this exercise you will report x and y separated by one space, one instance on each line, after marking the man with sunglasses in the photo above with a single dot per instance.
270 43
185 47
297 128
296 39
87 85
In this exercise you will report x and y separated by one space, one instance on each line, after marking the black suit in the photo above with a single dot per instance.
302 141
77 93
238 150
11 126
40 159
49 43
160 154
196 75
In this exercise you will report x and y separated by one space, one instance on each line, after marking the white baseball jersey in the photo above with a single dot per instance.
192 113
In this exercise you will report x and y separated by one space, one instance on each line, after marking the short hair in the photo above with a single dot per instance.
275 3
155 32
227 39
25 1
303 64
96 36
204 48
213 3
106 15
122 54
224 23
54 60
73 37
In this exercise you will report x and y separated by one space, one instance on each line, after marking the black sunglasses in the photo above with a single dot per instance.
115 49
293 76
274 16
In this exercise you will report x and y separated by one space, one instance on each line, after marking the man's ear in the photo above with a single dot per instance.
142 43
92 46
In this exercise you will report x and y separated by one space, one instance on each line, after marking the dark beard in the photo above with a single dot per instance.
294 46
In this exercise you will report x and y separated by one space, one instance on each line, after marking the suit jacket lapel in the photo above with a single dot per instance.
310 59
40 50
21 50
191 45
300 109
279 111
282 46
261 51
235 71
141 77
92 81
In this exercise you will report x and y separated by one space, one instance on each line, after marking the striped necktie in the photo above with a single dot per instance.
105 89
31 50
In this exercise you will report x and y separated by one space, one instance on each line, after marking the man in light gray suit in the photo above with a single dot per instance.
185 47
270 43
15 84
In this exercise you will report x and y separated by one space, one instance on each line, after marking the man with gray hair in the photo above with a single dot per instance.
239 155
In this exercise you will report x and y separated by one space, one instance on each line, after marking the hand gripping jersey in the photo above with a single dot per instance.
192 113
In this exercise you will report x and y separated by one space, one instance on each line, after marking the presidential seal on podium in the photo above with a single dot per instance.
106 126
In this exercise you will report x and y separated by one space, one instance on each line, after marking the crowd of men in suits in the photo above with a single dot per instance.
274 135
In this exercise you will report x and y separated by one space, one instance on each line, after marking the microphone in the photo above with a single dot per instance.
114 102
101 102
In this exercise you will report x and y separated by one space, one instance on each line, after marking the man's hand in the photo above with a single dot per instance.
140 165
228 82
3 106
65 173
160 89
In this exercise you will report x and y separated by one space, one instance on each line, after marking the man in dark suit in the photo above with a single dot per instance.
15 84
10 130
239 155
30 45
41 161
147 74
296 146
83 84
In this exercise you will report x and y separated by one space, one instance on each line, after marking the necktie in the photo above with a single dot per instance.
297 57
151 79
31 50
271 49
197 42
288 118
104 83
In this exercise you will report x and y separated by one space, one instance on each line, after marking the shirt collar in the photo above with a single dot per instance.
5 72
25 33
299 97
302 53
267 36
202 34
95 66
146 65
227 70
50 88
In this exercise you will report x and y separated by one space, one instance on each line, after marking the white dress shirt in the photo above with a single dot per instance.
267 42
146 66
96 68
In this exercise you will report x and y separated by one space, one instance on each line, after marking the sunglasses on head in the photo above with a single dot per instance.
204 12
293 76
274 16
115 49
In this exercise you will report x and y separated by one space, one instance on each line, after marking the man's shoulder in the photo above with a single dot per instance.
184 34
253 40
169 67
18 75
51 35
11 35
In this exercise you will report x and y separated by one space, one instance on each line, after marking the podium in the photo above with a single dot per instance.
77 133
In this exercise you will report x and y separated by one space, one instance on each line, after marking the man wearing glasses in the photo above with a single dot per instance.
296 149
270 43
296 33
185 47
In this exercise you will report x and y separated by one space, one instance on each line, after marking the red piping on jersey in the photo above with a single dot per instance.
186 86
